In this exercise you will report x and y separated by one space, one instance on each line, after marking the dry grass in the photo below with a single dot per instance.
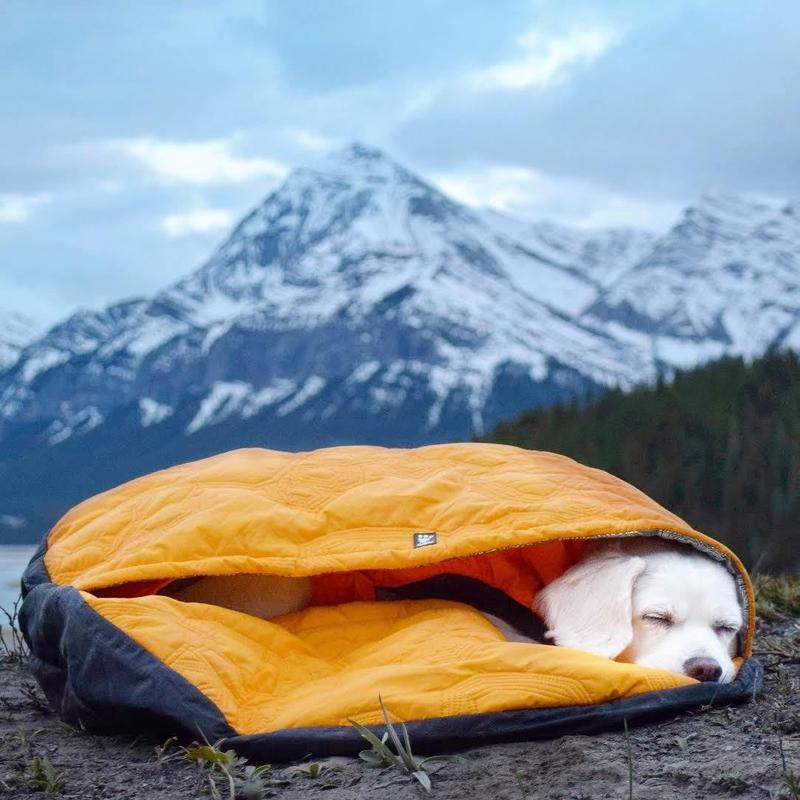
12 643
777 598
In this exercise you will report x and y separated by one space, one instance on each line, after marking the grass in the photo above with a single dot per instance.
41 774
231 777
790 780
380 754
12 643
32 771
777 598
519 777
31 692
792 783
629 750
317 769
682 742
21 738
38 773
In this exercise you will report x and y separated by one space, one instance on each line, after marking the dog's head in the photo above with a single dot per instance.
665 607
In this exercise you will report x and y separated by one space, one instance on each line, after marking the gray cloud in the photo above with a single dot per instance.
691 95
709 101
324 46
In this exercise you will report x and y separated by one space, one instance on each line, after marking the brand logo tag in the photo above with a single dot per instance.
425 539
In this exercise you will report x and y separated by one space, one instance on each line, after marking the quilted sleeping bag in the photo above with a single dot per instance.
113 654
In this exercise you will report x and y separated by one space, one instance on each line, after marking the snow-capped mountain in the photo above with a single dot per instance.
724 280
358 303
16 330
355 291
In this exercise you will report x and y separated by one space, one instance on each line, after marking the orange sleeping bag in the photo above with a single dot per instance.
356 520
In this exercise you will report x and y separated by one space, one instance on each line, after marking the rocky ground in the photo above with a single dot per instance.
749 751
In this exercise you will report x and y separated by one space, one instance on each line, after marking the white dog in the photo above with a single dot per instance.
650 603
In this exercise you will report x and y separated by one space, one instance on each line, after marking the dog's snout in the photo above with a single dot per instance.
702 669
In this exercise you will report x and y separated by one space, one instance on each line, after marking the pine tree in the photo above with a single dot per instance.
719 445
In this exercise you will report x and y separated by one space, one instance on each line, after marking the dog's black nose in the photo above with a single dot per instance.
702 669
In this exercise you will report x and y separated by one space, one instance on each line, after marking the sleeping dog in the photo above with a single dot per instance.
642 601
650 603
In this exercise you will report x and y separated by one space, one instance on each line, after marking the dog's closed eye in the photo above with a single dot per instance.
726 628
662 619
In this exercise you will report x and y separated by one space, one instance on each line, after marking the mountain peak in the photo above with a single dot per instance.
733 207
358 155
360 152
350 203
357 162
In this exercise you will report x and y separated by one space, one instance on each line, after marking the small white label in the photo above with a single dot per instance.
424 539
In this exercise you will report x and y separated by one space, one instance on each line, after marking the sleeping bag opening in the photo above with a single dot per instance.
502 582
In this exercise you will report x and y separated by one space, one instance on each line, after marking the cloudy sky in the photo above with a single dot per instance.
133 134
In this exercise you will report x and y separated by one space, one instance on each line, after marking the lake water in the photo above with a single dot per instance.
13 560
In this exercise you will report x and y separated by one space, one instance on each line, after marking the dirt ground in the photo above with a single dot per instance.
745 751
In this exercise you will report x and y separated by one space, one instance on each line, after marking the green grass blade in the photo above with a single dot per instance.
405 755
424 779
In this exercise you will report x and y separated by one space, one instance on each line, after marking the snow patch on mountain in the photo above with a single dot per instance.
312 386
154 332
71 423
16 331
224 399
152 412
364 372
42 362
268 396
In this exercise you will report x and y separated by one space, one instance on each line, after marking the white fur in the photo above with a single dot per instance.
647 603
590 606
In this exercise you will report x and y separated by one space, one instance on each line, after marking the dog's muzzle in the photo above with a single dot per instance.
702 669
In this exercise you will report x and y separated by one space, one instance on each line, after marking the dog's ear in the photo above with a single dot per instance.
590 606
